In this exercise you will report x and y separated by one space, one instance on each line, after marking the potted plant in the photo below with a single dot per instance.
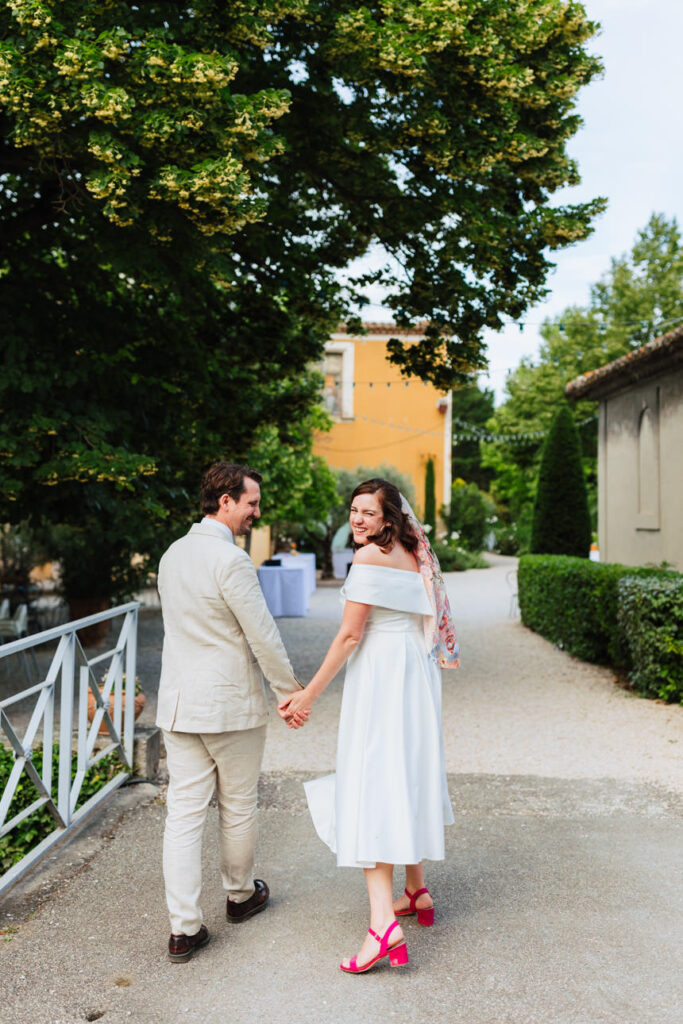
140 701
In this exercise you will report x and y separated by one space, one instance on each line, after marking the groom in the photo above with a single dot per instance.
218 636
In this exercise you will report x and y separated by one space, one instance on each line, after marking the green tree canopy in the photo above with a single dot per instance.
472 407
181 184
640 296
438 131
470 516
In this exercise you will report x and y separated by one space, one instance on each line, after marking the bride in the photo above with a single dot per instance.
388 802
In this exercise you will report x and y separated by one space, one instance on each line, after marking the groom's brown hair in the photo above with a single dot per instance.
224 478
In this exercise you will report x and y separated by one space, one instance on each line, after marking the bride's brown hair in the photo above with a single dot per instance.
396 523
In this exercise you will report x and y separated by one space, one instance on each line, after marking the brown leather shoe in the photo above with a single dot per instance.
237 912
182 947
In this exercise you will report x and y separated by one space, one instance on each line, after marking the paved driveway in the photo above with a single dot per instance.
559 901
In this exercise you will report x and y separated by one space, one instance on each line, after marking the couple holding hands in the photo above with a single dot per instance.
387 803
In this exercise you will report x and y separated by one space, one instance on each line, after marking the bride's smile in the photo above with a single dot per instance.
365 517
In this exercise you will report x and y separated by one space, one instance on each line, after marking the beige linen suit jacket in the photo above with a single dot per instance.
218 637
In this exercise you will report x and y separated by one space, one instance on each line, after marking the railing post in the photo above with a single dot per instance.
131 669
117 693
48 739
66 713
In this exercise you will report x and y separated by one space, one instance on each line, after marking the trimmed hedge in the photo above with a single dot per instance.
650 616
574 603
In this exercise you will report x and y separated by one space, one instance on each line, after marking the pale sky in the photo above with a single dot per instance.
630 150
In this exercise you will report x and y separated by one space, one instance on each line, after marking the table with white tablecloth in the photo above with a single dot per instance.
285 589
301 558
341 560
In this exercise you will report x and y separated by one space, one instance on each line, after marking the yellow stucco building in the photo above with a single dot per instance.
381 417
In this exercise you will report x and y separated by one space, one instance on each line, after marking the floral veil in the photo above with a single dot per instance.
442 645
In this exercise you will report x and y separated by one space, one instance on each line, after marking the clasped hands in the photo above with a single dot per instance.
295 709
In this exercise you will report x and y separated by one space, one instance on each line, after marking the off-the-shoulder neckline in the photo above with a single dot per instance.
385 568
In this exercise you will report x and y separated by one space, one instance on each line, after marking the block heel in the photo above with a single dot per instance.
424 917
398 956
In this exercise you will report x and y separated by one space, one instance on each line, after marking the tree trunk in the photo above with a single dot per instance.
79 607
328 565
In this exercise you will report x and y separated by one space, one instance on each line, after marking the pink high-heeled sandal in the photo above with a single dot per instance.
398 953
425 917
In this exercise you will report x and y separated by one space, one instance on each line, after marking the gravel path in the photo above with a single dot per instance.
559 901
516 706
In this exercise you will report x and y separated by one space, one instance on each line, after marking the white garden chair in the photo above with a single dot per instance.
17 626
511 580
13 629
4 608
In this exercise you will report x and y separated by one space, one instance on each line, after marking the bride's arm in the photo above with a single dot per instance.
351 630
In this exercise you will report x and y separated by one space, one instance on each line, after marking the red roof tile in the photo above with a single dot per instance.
389 329
655 357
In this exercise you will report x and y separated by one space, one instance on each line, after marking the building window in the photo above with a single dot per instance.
337 370
332 386
648 463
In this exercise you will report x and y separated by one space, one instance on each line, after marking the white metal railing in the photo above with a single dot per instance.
74 671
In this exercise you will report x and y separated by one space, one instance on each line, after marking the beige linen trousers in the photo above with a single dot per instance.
219 642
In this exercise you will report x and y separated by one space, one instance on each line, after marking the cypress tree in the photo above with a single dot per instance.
561 522
430 496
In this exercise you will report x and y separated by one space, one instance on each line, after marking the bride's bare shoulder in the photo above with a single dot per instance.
396 558
370 554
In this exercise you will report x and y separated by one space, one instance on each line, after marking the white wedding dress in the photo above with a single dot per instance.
388 801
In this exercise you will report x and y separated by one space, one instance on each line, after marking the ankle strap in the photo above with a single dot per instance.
384 940
413 897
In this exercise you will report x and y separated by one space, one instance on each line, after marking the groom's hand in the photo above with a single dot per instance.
293 711
296 720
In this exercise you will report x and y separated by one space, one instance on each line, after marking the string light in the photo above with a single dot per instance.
465 431
374 383
521 324
472 432
375 447
602 325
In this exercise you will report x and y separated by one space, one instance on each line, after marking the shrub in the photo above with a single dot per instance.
30 832
561 521
573 602
430 495
21 548
452 559
650 620
506 539
512 534
471 514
